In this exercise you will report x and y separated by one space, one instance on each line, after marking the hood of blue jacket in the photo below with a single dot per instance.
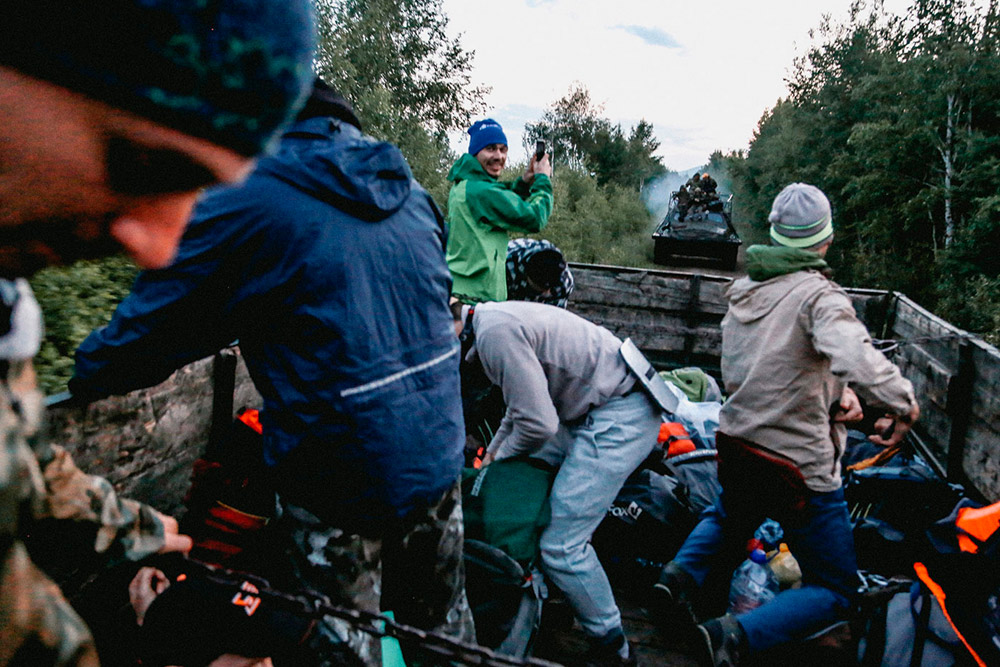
328 265
367 178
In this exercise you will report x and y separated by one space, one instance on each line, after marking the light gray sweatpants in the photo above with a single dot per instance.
601 453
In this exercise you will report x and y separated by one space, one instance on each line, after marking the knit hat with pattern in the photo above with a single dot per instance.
229 71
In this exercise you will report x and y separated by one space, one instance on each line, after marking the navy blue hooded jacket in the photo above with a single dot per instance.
328 265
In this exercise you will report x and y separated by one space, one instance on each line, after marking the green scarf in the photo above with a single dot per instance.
766 262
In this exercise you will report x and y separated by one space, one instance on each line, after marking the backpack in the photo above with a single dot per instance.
652 515
506 599
506 508
231 499
908 629
892 506
698 475
506 505
963 558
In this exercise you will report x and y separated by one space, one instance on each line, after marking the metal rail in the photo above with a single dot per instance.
315 605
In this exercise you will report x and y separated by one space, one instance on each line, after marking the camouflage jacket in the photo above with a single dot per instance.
39 482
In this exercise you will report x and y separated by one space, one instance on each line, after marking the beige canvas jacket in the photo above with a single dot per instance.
789 346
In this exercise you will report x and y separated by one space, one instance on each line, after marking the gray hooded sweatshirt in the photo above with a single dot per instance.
553 366
789 346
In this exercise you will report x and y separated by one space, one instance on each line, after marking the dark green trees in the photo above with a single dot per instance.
585 140
408 81
599 216
897 119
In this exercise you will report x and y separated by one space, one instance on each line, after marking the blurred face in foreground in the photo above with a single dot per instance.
493 158
80 179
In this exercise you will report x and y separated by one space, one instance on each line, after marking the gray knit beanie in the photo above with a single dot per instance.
800 216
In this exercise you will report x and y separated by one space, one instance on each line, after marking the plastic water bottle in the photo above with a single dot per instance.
753 584
786 568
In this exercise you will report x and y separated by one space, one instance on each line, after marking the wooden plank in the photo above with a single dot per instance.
145 442
616 316
664 290
914 360
981 463
940 342
673 317
631 270
620 300
934 424
916 324
986 386
647 291
871 307
654 332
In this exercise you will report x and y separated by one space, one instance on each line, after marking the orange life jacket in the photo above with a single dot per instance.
676 437
979 522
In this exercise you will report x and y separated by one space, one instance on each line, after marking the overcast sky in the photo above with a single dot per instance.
702 72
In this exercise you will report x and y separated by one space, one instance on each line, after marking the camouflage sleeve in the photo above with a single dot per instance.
37 625
74 495
55 488
40 480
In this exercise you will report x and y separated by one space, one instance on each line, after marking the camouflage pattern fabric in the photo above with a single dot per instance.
414 570
37 626
39 481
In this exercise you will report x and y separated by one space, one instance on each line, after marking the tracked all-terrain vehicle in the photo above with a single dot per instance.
698 231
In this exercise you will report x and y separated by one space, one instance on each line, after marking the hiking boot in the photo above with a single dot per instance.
722 642
606 651
670 601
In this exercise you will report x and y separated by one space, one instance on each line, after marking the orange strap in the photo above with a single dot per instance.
938 592
678 447
879 459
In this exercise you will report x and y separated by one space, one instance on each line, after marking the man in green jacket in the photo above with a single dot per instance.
481 209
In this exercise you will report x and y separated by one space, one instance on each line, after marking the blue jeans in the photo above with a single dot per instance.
818 535
603 450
